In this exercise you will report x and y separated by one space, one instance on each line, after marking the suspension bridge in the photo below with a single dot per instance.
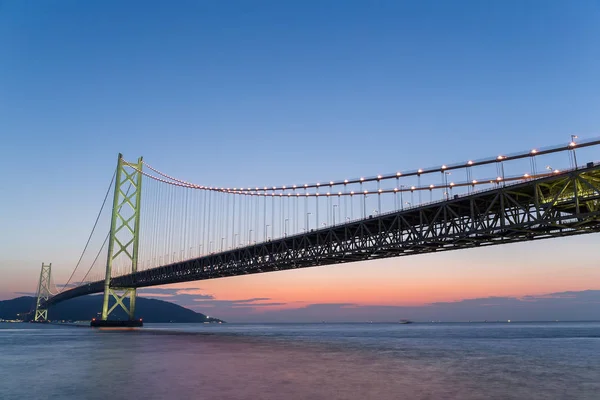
166 230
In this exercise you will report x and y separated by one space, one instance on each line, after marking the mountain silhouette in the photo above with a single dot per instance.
88 307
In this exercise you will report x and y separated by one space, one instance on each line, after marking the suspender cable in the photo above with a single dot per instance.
265 215
186 225
240 232
233 244
256 213
316 210
226 223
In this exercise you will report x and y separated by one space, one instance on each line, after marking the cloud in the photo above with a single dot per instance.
197 300
169 292
227 307
243 303
69 285
583 305
568 305
184 297
555 306
583 296
25 293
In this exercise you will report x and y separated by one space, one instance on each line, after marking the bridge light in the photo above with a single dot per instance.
451 183
305 185
331 182
500 158
380 190
420 171
317 194
395 189
297 194
398 173
351 193
366 191
499 178
362 179
307 194
573 137
412 188
318 184
345 180
470 162
444 167
534 151
289 194
294 186
474 181
378 177
339 193
274 187
328 193
283 187
431 186
556 171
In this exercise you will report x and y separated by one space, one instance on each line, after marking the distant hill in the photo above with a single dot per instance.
87 307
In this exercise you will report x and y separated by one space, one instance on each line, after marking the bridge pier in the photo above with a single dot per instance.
123 244
98 323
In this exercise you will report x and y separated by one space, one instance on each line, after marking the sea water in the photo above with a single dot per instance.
302 361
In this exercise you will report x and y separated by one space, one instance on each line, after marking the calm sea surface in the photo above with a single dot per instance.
302 361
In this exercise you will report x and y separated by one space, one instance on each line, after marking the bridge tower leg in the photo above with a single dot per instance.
123 241
43 293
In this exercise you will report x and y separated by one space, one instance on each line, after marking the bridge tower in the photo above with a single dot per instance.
123 241
43 293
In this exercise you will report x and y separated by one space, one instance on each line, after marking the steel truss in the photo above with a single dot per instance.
563 204
124 235
43 293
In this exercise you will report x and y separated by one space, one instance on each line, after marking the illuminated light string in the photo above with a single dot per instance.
445 167
412 188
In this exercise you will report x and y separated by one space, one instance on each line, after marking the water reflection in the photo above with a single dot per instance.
292 362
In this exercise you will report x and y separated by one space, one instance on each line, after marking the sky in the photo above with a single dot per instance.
269 92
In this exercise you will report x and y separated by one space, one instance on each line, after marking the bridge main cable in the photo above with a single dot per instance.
91 233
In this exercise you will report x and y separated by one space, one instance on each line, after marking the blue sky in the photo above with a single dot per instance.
270 92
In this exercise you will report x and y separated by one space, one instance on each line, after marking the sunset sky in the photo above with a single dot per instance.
271 92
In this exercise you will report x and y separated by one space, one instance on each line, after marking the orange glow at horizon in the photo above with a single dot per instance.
503 271
515 270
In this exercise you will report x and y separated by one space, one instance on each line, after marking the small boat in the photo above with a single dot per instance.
405 321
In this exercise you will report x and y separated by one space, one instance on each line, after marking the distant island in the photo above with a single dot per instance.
87 307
